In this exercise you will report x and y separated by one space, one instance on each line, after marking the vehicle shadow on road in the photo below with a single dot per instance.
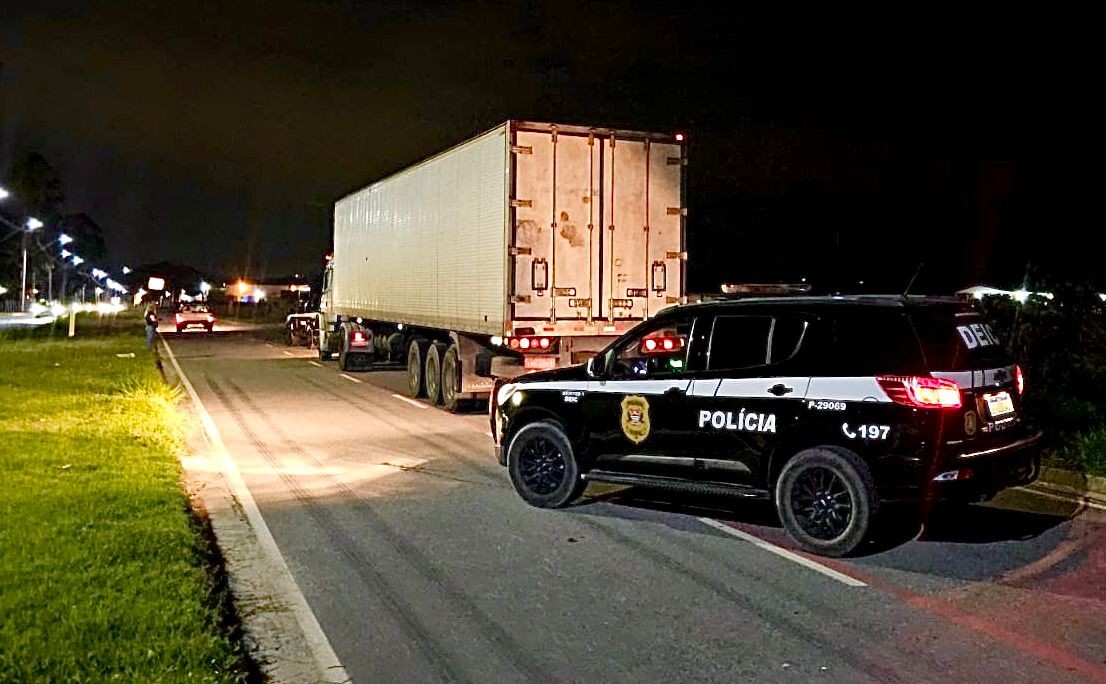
898 526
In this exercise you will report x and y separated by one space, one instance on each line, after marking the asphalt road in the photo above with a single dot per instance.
423 565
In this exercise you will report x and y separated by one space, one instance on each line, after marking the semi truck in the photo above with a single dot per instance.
527 247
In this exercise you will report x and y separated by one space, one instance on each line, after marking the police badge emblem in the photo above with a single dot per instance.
635 419
971 424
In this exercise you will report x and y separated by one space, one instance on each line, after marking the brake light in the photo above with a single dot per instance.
532 344
210 318
921 391
661 345
179 318
1019 378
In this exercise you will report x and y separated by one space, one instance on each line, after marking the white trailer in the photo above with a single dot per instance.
527 247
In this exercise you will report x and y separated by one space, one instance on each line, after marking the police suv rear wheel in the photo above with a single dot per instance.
826 500
543 467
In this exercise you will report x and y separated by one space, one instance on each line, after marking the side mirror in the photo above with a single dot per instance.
594 366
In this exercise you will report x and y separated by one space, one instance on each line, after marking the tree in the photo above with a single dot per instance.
88 236
37 188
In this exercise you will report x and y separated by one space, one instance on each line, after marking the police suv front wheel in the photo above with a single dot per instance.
542 466
826 500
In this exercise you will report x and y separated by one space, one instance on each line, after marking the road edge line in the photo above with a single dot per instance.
330 667
784 553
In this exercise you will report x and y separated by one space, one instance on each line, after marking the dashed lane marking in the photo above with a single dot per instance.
784 553
350 378
286 352
417 404
316 364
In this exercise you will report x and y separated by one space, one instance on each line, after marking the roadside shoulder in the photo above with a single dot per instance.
281 633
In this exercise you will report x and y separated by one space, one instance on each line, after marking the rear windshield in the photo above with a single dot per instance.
958 339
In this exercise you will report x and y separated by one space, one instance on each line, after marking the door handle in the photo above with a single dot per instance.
779 390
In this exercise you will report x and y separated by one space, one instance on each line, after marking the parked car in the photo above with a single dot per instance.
194 316
830 407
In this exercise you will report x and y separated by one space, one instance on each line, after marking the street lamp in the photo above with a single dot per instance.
64 239
4 194
77 261
31 225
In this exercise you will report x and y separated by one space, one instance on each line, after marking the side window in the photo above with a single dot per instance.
787 336
874 343
660 352
739 342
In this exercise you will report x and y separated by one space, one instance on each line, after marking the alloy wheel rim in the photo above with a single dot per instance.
821 503
542 465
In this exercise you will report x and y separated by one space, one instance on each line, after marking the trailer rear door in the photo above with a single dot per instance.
643 235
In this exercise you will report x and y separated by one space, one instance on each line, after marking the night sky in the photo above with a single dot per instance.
839 148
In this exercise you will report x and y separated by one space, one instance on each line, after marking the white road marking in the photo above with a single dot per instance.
318 644
286 352
412 402
350 378
784 553
316 364
1070 498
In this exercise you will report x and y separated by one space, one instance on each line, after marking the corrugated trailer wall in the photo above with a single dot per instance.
429 243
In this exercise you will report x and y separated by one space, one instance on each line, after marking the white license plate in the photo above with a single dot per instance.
999 404
539 362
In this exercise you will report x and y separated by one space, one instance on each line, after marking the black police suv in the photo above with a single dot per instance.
830 406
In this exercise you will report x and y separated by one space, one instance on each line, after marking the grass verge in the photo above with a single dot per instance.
104 571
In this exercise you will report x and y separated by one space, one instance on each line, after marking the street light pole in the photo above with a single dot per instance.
29 225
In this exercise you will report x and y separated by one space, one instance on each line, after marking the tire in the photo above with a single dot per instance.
209 328
433 372
451 379
179 330
324 354
291 338
829 479
416 354
543 467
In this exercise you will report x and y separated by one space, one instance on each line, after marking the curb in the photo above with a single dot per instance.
273 632
1071 485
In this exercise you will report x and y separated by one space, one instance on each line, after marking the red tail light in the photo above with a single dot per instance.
660 345
531 344
357 338
210 318
179 318
1019 379
921 391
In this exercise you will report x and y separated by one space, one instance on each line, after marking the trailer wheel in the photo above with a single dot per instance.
416 353
434 372
451 379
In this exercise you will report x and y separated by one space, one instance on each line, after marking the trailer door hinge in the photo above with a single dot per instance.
522 149
528 203
677 211
520 299
519 251
682 256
